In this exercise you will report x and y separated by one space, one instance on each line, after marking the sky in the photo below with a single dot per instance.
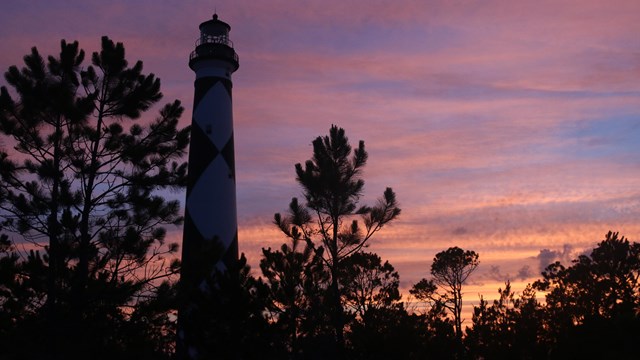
511 128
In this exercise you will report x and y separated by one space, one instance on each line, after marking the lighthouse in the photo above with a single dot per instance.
210 241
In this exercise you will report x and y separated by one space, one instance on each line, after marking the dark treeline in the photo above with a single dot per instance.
81 189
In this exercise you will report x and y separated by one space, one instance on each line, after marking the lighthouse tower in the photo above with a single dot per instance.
210 242
211 191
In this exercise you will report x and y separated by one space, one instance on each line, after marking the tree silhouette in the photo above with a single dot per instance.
392 333
297 282
332 186
83 182
449 270
510 328
368 284
379 326
603 284
598 291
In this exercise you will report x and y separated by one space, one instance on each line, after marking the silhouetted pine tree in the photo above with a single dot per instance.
297 281
592 306
450 269
510 328
332 185
82 180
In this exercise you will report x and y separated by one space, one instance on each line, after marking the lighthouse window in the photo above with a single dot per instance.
214 39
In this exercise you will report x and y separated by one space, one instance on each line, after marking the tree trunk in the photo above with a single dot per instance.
55 264
338 319
85 236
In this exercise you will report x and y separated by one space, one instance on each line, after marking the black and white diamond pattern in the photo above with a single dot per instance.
211 196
